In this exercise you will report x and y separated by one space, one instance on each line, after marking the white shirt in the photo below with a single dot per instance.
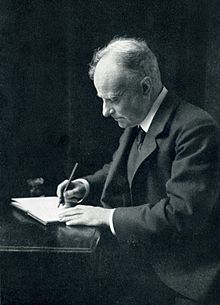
145 125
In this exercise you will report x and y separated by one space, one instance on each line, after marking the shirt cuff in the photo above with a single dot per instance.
111 222
87 187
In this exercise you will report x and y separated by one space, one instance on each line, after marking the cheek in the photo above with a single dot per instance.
126 112
135 109
129 108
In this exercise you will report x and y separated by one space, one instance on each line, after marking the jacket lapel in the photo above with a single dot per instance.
116 181
159 124
122 153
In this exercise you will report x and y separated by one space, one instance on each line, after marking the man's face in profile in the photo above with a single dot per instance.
121 92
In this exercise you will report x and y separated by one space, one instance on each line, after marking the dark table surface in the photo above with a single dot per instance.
20 233
53 264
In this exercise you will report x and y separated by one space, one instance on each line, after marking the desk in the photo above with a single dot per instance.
38 259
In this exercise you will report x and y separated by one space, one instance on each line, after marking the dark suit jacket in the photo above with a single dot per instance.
165 214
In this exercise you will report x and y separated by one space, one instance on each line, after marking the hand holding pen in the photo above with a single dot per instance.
70 192
66 185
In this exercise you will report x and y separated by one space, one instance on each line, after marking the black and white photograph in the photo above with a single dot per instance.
109 152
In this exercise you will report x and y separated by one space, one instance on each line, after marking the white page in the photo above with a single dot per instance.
44 208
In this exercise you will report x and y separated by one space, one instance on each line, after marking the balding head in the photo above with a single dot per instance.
132 54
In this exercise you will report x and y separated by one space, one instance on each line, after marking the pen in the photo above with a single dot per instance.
69 181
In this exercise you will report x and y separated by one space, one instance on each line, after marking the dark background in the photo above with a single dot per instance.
49 114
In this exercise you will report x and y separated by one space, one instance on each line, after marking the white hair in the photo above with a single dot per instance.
134 54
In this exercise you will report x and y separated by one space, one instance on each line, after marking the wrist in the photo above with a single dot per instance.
106 213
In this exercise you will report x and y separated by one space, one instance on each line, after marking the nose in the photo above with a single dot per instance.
107 110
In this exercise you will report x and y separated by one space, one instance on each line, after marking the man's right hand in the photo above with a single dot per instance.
73 195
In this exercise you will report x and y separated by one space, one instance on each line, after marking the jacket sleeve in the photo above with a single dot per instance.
191 190
96 182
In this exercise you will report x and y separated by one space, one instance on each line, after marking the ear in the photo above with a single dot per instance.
146 84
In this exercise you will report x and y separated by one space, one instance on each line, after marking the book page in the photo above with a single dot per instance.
42 208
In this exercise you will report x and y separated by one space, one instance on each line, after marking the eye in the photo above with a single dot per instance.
110 100
114 100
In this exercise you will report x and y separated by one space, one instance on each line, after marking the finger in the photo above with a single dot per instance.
74 193
69 215
70 212
61 201
74 222
69 218
60 188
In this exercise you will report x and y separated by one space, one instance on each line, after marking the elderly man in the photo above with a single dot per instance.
159 194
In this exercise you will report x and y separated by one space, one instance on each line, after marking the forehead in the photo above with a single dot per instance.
110 77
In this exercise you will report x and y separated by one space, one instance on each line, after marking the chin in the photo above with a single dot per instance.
122 125
125 125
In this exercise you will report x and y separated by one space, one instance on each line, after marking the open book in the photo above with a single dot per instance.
43 209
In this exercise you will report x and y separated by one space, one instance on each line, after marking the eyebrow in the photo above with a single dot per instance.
119 94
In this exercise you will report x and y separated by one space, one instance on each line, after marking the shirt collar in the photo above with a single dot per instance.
145 124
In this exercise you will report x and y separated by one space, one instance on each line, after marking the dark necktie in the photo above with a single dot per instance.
135 152
140 137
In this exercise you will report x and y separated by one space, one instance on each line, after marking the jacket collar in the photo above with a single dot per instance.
145 124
